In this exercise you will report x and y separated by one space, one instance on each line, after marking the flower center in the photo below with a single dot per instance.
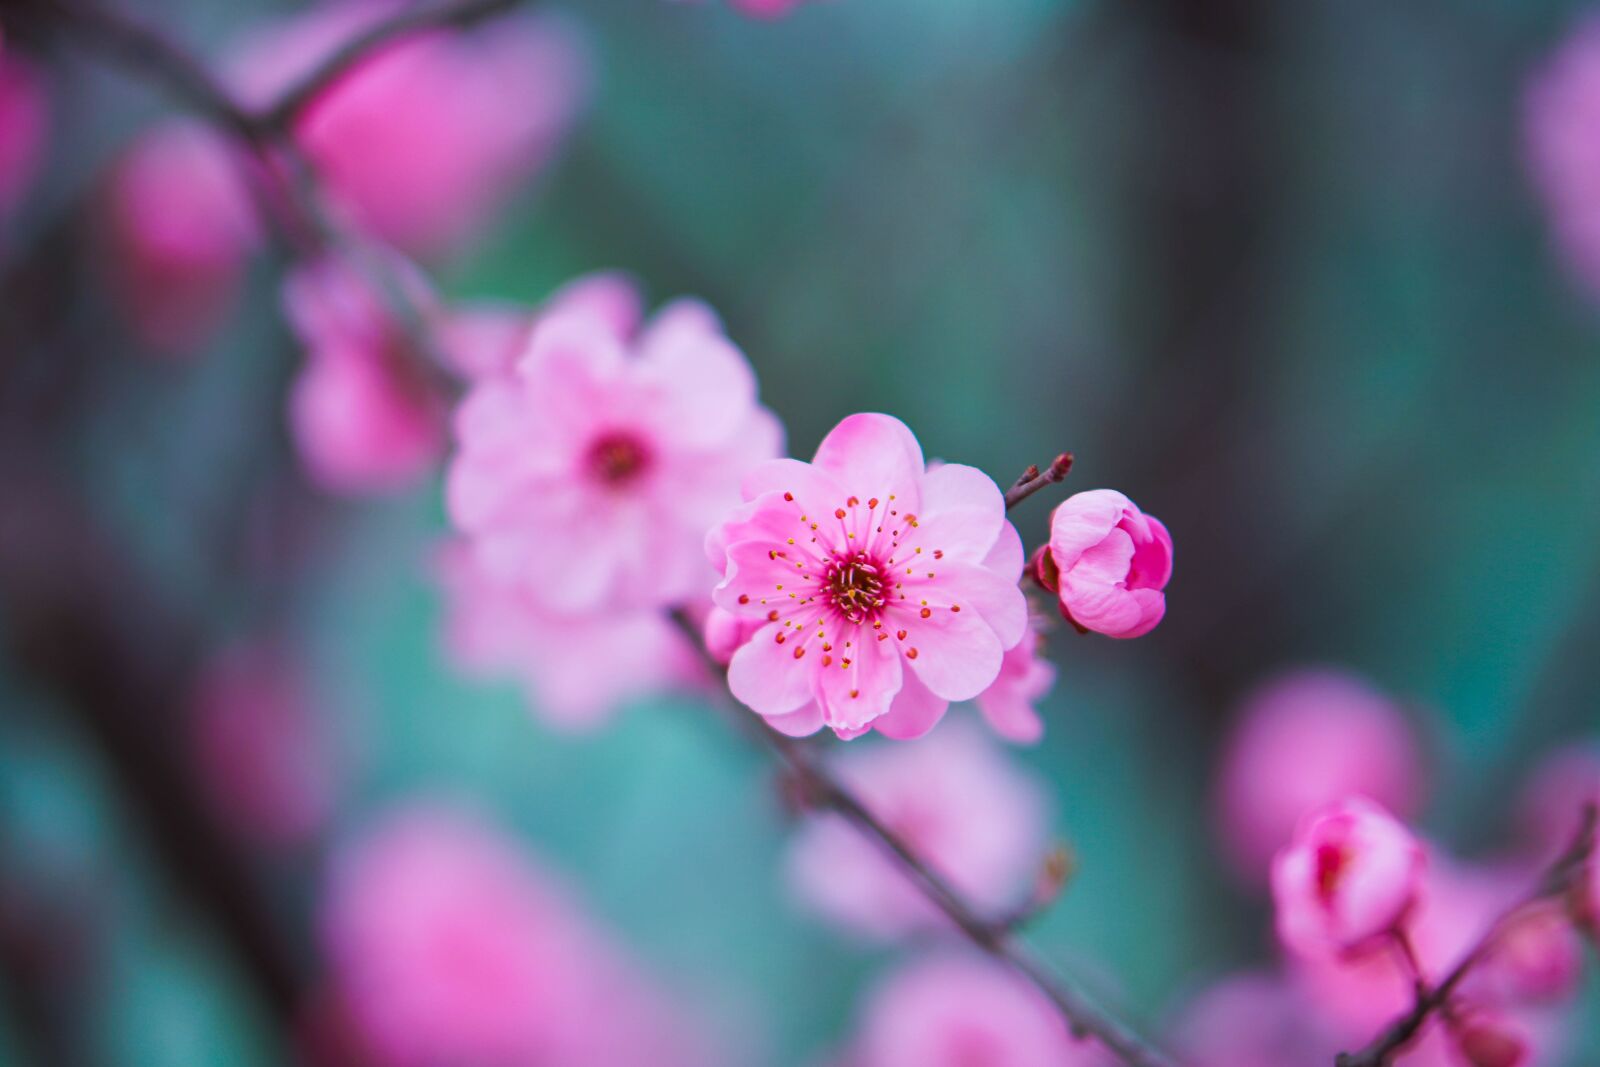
1331 860
618 458
855 586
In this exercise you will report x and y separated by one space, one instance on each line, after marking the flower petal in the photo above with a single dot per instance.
765 677
862 679
914 712
962 512
1082 520
957 654
872 455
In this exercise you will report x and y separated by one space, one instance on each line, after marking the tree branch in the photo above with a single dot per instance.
1033 479
1558 880
995 938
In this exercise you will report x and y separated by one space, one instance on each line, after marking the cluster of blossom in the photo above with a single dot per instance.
1307 787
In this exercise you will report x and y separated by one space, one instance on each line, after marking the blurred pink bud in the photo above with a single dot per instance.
764 9
361 411
957 800
959 1011
1302 740
1251 1020
1538 957
449 945
1025 678
261 754
1349 877
590 475
179 224
1042 568
24 127
1550 809
424 140
1561 115
812 554
1113 562
577 670
1490 1043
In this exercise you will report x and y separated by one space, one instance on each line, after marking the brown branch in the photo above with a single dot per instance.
1033 479
1558 881
995 938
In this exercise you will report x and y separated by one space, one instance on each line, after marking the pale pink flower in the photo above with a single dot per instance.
447 944
362 413
1347 879
765 9
958 801
24 127
1111 562
487 338
962 1011
1561 118
179 226
1304 739
421 142
887 590
1008 705
591 474
259 750
577 670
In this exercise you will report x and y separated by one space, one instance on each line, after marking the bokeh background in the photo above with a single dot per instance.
1275 270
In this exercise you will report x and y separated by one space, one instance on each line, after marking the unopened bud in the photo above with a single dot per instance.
1485 1045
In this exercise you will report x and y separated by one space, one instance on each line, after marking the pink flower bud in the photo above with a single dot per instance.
179 224
1114 561
1488 1044
1350 876
1043 569
1304 739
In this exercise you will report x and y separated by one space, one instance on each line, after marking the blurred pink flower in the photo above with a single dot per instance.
577 670
421 142
362 415
1349 877
448 945
260 752
888 590
24 127
1538 959
1552 802
1111 563
764 9
1561 118
977 819
591 474
1251 1019
1304 739
1025 678
179 225
486 339
961 1011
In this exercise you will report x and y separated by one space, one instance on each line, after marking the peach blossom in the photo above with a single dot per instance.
1111 562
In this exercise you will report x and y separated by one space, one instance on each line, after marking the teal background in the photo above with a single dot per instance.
1377 447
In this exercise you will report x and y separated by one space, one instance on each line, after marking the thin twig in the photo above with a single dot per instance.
1033 479
994 937
1558 880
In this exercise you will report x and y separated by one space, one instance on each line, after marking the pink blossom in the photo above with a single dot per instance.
958 1011
1304 739
1111 562
1537 959
1561 115
447 944
360 411
973 815
591 474
258 748
1025 677
1251 1019
1350 876
421 142
577 670
179 226
486 339
886 590
24 127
